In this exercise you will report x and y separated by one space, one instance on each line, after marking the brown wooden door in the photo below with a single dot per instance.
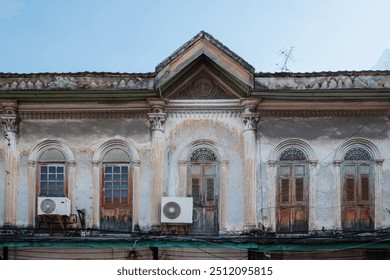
292 198
203 188
116 198
358 207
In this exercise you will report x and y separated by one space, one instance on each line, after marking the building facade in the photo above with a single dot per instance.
266 164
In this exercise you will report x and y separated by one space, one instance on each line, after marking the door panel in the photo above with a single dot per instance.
203 189
358 207
292 199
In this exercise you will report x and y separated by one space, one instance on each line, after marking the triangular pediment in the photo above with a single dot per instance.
203 68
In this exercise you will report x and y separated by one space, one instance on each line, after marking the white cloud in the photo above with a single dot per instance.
10 8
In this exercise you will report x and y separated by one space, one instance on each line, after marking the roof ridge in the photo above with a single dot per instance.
207 36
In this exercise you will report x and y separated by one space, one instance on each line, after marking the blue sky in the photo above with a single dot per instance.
135 36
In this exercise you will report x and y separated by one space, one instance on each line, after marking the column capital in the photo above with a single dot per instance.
379 162
10 120
337 163
313 163
271 163
157 121
250 120
136 163
182 162
95 162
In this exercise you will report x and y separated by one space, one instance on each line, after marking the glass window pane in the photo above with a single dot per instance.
60 169
116 192
44 177
284 170
299 170
117 177
60 185
124 199
43 169
52 169
124 192
108 185
117 169
350 169
107 193
364 169
195 169
52 177
117 185
108 169
108 177
125 169
52 185
124 185
211 170
124 177
43 185
60 177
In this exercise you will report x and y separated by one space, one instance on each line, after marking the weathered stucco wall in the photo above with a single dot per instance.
324 136
225 135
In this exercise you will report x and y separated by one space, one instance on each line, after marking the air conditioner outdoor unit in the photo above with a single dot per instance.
53 206
176 210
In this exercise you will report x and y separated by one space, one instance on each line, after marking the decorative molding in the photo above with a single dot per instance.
292 154
323 81
204 114
77 81
322 113
77 115
357 153
203 154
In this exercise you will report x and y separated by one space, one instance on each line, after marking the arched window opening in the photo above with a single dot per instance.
292 192
358 194
203 170
116 191
52 174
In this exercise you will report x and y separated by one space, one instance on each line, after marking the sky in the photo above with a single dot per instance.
134 36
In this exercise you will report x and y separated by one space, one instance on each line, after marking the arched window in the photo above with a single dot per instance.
204 187
358 194
52 174
292 191
116 191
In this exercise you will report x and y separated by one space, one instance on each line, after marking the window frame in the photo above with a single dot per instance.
64 181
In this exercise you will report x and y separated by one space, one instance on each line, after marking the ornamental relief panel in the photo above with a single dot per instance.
202 87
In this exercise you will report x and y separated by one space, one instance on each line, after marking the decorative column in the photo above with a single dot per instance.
223 192
71 165
312 195
337 195
31 193
250 119
157 119
378 193
182 178
272 194
10 122
95 193
136 193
